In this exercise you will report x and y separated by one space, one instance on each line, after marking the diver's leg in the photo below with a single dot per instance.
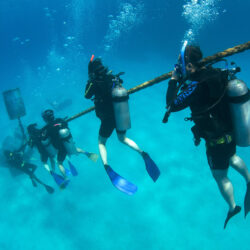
106 129
60 158
62 169
29 169
46 166
225 186
102 149
239 165
44 159
52 163
125 140
92 156
80 151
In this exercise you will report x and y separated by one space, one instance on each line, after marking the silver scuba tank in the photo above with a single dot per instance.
239 102
121 109
68 142
50 149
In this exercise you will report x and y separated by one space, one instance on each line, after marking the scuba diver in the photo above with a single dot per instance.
111 107
215 104
16 159
36 139
57 137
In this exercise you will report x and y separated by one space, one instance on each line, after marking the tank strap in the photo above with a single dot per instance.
225 139
240 99
120 98
212 106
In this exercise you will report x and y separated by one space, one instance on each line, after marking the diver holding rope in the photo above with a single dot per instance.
215 113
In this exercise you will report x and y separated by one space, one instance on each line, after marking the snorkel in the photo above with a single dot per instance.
183 64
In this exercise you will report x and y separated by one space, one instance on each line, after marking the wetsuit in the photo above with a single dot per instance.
100 89
51 130
15 159
35 141
205 96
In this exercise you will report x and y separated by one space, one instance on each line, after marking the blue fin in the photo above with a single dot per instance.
72 169
60 181
119 182
151 167
67 171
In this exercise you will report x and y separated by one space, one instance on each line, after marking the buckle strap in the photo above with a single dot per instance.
225 139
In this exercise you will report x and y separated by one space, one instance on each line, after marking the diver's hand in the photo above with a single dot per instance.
167 114
175 74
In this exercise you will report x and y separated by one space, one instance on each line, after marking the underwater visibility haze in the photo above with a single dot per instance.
45 49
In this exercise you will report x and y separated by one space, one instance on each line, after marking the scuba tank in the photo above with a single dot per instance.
50 149
120 104
239 102
68 142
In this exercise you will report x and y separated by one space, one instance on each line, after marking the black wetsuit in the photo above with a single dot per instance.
36 141
52 131
210 112
15 159
101 89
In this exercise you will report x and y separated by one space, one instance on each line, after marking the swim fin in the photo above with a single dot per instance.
119 182
151 167
236 210
247 200
72 169
33 182
67 172
60 181
49 189
92 156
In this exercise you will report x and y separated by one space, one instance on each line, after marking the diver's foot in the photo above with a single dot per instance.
230 214
64 184
92 156
49 189
247 200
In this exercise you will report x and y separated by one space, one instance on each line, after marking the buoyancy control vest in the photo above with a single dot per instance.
211 114
230 113
103 97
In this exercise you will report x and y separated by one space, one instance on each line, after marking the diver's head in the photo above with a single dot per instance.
189 59
33 131
48 115
96 68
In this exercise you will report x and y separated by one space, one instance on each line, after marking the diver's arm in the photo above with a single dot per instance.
171 92
89 90
185 98
170 97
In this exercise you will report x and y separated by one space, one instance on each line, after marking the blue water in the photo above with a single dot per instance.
45 47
